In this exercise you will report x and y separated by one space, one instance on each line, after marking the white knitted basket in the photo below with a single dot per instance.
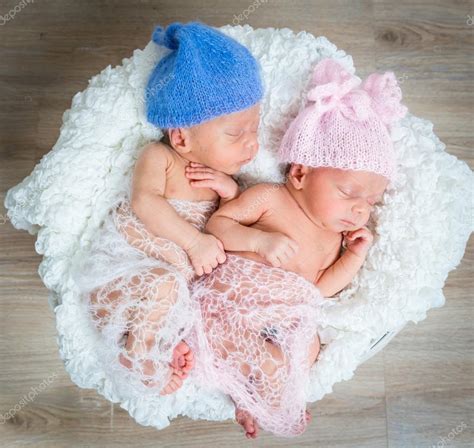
66 197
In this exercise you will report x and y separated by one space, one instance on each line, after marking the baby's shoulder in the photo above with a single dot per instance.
259 197
155 153
266 191
151 169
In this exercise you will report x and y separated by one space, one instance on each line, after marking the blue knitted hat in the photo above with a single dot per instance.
207 74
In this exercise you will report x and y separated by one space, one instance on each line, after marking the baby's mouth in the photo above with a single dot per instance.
347 223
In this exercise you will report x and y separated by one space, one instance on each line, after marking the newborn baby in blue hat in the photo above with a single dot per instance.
204 94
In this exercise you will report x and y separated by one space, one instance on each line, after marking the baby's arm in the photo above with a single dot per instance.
230 224
341 273
161 219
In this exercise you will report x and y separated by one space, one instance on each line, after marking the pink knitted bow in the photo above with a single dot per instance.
336 89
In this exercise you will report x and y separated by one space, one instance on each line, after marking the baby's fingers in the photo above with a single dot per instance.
221 246
200 169
208 268
199 175
282 258
221 257
274 261
198 270
197 164
355 234
205 183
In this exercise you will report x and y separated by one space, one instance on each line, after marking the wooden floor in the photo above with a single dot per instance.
416 393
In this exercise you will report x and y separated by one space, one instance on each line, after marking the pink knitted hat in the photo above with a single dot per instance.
347 126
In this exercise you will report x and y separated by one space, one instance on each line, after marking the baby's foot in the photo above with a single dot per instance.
181 364
248 423
183 358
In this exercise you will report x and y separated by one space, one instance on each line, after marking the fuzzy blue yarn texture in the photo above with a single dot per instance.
206 74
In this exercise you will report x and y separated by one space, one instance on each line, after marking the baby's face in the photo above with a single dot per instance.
334 196
227 142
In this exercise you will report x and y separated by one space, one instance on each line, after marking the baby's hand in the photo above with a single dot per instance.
276 248
201 176
359 241
205 253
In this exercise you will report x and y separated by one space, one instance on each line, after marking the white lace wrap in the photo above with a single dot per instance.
135 286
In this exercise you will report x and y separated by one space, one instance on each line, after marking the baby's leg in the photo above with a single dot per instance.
265 373
272 362
145 323
137 307
104 301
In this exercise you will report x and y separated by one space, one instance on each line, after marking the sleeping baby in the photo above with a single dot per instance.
136 276
258 333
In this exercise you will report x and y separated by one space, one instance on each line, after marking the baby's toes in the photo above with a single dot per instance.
177 379
177 362
174 384
166 390
250 427
248 423
189 362
182 348
180 373
180 354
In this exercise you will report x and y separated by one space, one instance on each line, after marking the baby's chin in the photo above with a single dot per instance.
233 169
342 227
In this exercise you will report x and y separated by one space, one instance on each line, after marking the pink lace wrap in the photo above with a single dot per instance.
252 340
250 325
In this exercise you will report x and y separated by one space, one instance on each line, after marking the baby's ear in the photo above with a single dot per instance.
297 175
179 139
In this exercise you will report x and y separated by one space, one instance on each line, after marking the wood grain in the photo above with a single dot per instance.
413 394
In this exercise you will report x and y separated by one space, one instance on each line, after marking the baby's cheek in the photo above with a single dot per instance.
334 209
216 156
322 209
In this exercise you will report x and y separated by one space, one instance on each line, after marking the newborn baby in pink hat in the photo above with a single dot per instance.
258 336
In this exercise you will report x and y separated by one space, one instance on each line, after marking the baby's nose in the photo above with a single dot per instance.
251 146
361 208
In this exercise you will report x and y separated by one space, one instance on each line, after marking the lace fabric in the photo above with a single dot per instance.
252 339
249 325
136 287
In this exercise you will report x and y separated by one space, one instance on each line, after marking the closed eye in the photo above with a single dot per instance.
344 192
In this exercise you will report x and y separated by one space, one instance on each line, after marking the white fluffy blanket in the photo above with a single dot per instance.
421 230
